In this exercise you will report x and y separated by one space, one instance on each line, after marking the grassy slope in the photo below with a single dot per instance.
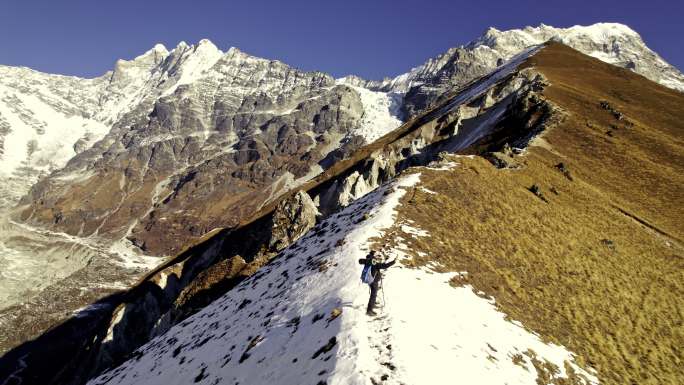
578 270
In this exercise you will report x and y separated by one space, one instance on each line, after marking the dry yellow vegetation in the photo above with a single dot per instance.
597 264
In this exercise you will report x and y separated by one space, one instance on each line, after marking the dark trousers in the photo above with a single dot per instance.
373 294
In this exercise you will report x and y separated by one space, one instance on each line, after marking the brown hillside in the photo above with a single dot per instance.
594 261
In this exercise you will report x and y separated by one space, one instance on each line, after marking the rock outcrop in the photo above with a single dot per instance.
292 218
506 105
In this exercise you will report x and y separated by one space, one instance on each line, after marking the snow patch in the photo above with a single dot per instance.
127 256
442 166
414 231
426 190
118 316
440 333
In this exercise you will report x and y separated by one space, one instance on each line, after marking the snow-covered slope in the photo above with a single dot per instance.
301 320
42 126
380 112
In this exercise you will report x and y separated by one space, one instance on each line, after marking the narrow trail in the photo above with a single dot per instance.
380 340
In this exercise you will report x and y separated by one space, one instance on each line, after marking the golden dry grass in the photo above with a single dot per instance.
600 267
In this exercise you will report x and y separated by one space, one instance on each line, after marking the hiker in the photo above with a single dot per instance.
372 275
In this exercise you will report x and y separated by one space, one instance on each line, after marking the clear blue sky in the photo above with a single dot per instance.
369 38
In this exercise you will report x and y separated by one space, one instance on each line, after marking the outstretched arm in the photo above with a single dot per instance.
362 261
387 265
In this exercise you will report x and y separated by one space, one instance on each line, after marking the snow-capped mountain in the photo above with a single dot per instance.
48 119
199 111
612 43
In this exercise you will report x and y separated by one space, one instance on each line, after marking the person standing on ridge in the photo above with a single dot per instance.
372 275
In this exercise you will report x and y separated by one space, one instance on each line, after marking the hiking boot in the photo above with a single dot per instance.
371 313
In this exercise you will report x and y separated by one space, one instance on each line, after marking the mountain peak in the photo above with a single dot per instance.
491 31
234 50
159 48
205 41
615 28
153 55
597 32
236 55
206 45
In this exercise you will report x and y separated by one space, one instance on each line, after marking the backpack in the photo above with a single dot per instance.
367 274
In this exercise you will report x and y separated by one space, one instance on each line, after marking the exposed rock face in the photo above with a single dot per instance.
506 158
193 297
291 219
208 155
505 106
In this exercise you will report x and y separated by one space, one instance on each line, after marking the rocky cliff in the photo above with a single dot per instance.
206 155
